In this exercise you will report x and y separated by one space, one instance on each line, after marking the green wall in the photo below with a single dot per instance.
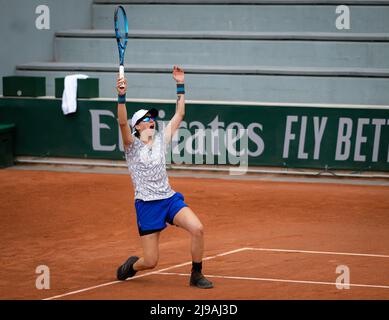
310 137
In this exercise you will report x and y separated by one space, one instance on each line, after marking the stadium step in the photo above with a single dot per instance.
226 83
217 48
253 16
228 70
226 35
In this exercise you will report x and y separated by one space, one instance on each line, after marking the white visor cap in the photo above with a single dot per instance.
140 114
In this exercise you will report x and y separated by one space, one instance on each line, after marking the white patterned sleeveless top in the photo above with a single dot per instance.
146 164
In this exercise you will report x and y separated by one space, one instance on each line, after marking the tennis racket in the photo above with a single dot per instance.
121 32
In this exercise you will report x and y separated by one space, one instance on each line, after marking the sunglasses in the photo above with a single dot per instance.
147 119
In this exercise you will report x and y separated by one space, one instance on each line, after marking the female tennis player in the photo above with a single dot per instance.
156 203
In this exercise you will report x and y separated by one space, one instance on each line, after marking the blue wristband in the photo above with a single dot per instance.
122 99
180 88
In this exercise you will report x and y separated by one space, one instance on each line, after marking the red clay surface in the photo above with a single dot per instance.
82 226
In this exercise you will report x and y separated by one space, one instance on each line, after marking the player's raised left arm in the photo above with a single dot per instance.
179 77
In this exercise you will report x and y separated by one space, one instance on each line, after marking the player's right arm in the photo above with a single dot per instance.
121 86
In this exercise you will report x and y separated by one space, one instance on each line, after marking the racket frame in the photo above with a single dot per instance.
121 45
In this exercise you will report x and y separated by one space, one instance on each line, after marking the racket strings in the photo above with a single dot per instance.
121 27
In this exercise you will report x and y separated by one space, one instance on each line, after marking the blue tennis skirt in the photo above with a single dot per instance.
152 215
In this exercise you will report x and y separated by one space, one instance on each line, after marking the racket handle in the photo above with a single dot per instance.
121 72
121 75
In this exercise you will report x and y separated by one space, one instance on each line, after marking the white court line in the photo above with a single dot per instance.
279 280
321 252
224 254
142 275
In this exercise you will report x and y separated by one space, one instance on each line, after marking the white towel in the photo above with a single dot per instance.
69 97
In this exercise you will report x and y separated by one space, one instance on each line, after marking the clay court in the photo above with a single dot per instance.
264 239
